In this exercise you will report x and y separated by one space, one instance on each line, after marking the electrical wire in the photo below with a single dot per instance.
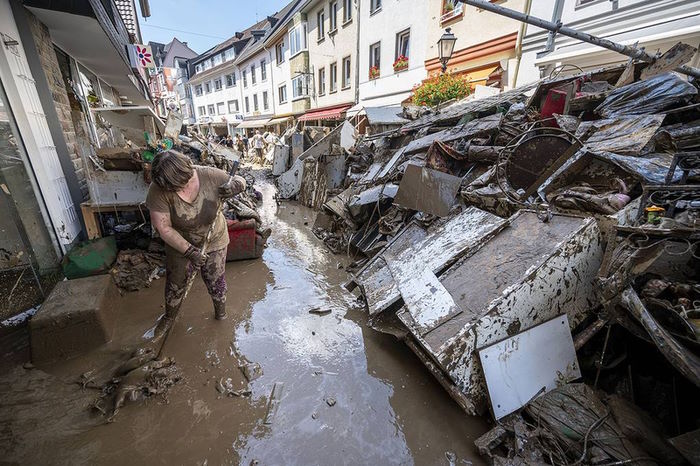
183 31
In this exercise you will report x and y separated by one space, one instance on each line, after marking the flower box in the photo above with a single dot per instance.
374 72
401 63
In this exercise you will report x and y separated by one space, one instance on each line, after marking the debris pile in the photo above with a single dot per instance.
572 203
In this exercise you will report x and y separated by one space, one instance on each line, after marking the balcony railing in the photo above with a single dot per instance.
450 14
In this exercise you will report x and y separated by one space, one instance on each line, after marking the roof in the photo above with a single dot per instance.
176 49
281 19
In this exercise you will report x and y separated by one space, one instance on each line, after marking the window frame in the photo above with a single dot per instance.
265 100
263 70
218 84
244 75
207 87
321 25
375 6
246 102
333 77
333 17
282 89
322 81
304 93
232 111
198 90
347 11
221 106
253 79
348 84
375 55
406 33
202 110
256 103
211 109
303 44
231 78
279 52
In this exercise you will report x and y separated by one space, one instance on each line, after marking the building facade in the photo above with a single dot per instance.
656 25
51 81
331 78
168 81
485 51
392 48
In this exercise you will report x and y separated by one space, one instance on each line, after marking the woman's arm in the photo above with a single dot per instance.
161 222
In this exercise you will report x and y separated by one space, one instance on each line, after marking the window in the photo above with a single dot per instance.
580 3
321 21
198 68
347 10
207 87
233 106
210 109
300 86
201 110
229 54
263 70
217 84
451 9
244 74
255 103
220 108
198 90
252 74
402 43
216 60
375 55
346 72
265 102
231 80
282 93
279 52
297 39
333 13
374 6
321 81
334 77
247 105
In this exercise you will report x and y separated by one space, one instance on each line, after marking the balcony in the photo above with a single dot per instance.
451 11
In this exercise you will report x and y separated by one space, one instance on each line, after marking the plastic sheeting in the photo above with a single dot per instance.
626 135
651 96
652 168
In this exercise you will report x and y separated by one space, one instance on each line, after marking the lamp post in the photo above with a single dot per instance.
446 45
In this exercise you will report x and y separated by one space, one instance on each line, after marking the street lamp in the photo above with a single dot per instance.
446 45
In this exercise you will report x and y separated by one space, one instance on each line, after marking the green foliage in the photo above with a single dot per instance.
441 88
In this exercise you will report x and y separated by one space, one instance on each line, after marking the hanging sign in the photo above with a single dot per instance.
144 56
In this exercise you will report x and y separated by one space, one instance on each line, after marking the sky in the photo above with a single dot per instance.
203 23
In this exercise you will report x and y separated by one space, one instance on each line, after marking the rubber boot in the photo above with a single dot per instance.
165 323
219 310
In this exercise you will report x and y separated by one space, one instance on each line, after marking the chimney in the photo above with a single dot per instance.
239 35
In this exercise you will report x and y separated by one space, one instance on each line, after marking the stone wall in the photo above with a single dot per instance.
57 86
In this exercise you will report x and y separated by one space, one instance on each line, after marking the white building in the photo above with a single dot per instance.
388 30
655 25
215 88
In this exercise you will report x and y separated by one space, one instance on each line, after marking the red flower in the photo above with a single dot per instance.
143 56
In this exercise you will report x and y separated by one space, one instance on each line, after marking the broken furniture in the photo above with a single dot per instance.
508 277
244 242
92 214
75 318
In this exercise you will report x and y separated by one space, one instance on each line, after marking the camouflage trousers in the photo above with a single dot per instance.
179 270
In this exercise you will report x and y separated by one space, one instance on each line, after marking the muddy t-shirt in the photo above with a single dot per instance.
192 220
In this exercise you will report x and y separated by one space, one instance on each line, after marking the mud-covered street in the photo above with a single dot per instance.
350 394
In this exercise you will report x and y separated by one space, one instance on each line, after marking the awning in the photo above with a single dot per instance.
329 113
277 121
247 124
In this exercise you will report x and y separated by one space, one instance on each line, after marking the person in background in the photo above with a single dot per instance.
258 145
183 202
245 142
240 147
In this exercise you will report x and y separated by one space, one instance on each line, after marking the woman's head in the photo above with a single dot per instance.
171 170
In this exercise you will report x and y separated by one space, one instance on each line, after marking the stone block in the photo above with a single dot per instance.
75 318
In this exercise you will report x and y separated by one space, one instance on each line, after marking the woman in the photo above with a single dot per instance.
184 202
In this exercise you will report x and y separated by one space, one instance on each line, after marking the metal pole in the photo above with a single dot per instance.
559 28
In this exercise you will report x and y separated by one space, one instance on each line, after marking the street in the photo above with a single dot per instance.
388 408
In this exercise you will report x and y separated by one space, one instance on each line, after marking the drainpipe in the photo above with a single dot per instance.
357 54
519 43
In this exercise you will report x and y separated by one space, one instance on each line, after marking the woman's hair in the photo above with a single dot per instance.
171 170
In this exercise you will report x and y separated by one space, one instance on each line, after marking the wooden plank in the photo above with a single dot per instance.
93 230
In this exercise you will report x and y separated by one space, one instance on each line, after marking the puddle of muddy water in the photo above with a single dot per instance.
388 409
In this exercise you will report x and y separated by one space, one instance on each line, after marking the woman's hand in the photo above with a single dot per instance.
233 186
196 256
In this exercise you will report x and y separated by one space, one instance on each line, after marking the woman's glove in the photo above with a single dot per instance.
233 186
196 256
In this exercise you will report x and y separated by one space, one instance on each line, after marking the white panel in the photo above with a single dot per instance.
36 135
528 364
